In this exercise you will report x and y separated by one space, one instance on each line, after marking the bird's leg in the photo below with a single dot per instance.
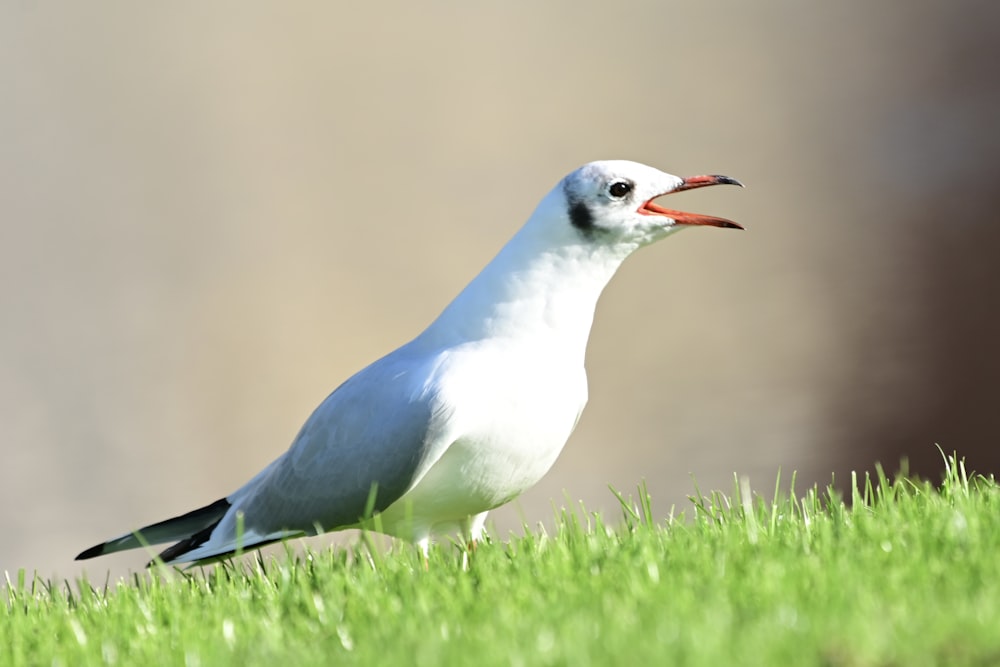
473 527
424 543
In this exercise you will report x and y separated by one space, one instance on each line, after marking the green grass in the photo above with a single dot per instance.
908 575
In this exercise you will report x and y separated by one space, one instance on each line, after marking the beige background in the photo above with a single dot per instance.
210 217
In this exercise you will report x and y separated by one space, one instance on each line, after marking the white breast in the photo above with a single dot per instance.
511 417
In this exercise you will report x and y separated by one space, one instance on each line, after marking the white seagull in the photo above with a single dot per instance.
470 413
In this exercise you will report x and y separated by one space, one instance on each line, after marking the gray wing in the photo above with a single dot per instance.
383 428
378 428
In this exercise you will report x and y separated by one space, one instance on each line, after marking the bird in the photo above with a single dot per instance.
424 442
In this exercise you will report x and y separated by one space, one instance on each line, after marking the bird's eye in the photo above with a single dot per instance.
619 189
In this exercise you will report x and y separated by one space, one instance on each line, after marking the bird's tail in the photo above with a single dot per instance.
185 527
194 535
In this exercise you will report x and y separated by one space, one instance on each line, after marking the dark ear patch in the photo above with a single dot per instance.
581 217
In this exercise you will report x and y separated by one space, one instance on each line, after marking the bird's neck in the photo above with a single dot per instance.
543 297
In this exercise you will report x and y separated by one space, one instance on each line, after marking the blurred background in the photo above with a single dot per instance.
211 216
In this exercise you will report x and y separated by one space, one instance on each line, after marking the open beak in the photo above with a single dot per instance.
682 218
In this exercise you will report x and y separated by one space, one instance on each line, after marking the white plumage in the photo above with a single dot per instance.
470 413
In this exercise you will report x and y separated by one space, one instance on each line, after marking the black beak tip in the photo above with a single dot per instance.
727 180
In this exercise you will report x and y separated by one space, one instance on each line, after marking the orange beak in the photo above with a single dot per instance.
682 218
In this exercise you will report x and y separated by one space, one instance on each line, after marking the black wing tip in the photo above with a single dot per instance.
182 547
92 552
168 555
212 513
197 539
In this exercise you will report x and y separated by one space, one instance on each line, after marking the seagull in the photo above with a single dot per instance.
424 442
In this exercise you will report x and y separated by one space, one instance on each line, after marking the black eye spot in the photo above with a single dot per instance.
619 189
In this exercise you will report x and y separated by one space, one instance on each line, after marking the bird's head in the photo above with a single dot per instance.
612 200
